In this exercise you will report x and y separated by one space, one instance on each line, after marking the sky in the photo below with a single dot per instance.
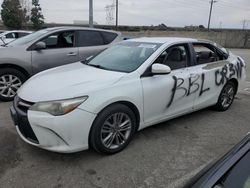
175 13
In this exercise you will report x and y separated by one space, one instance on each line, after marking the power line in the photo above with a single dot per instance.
210 13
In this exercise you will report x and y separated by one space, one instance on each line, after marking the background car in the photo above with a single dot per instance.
46 49
102 102
231 171
9 36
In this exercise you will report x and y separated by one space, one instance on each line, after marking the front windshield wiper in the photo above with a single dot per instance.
4 44
96 66
87 62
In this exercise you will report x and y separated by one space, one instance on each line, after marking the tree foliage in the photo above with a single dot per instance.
37 17
12 14
26 7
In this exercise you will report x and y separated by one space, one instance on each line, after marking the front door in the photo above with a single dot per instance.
60 50
169 95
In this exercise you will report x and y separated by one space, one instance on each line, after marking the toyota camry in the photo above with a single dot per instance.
102 102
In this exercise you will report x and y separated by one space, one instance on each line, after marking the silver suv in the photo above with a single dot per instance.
46 49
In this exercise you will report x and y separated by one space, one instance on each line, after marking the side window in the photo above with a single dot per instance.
206 53
176 57
22 34
16 35
108 37
90 38
10 36
60 40
238 176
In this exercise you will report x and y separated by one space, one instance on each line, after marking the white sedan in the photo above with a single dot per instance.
102 102
9 36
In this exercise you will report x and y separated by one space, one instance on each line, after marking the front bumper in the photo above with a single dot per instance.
64 134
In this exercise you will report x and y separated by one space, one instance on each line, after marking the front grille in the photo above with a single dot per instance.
22 107
22 104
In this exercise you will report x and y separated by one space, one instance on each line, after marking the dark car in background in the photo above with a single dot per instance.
46 49
231 171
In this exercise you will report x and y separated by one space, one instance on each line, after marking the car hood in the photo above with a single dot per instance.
67 82
11 52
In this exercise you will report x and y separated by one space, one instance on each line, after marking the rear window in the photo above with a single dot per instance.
109 37
90 38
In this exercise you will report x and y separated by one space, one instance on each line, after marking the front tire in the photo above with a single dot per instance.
10 81
113 129
226 97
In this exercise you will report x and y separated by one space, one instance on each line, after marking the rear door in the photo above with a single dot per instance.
211 65
60 50
92 42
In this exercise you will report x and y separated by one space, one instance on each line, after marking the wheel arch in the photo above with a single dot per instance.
131 106
236 83
12 66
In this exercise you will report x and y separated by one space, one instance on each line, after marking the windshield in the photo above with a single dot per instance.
28 38
124 57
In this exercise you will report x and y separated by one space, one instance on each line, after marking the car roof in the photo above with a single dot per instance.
78 28
163 40
15 31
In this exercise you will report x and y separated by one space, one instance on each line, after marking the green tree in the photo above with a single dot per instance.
37 17
12 14
26 7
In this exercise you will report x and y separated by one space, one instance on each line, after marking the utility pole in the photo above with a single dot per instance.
210 14
91 13
245 24
116 22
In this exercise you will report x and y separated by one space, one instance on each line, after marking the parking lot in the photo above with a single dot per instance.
165 155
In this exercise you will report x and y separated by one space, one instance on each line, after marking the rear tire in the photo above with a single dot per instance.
113 129
10 81
226 97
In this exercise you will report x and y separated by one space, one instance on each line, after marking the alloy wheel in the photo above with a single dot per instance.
9 84
227 96
116 130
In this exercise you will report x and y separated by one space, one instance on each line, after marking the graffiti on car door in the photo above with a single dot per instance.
197 83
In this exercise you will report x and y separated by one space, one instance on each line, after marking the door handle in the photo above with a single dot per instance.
71 54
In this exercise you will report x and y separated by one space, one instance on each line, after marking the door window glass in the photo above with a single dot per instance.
90 38
108 37
175 57
60 40
22 34
10 36
206 53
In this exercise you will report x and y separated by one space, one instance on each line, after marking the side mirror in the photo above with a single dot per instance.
160 69
40 46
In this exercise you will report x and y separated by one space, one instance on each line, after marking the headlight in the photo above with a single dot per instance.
60 107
